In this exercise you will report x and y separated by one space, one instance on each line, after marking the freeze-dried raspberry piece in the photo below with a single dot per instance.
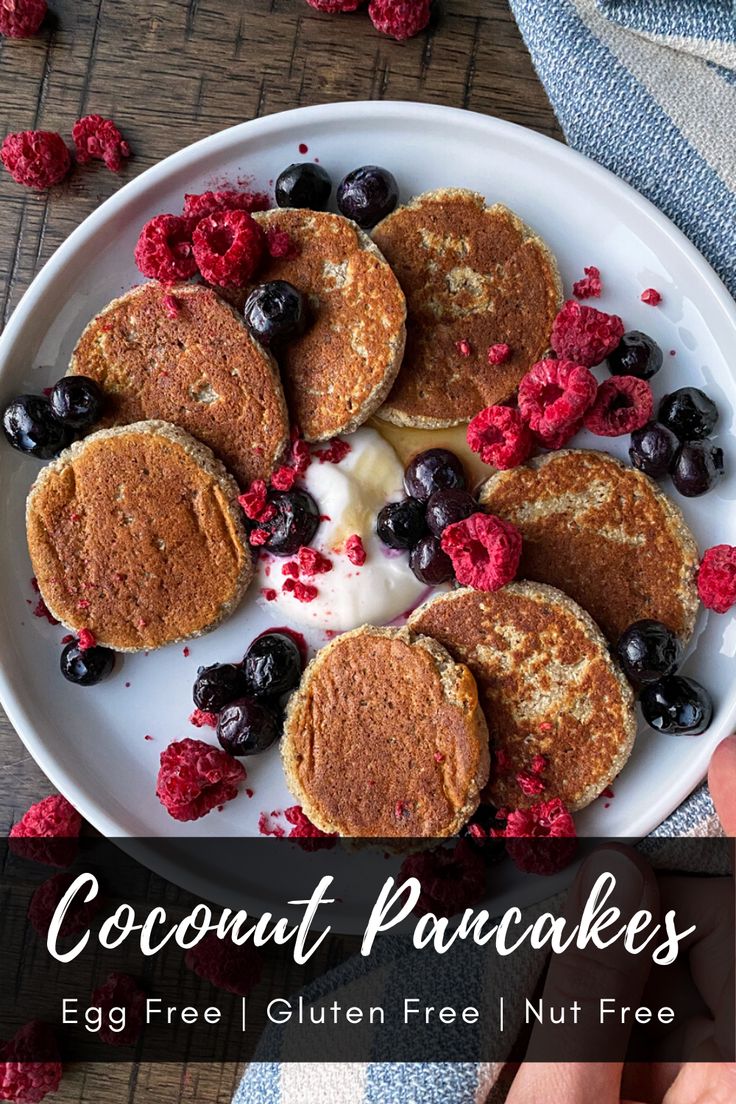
399 18
485 551
200 206
280 245
120 991
623 404
463 347
47 832
195 777
228 247
236 969
284 478
36 158
590 286
541 839
501 437
258 537
29 1064
99 139
21 18
312 562
310 836
355 551
253 501
553 397
200 718
499 354
585 335
530 784
334 7
164 249
44 902
336 450
301 456
86 639
652 297
717 578
451 879
303 592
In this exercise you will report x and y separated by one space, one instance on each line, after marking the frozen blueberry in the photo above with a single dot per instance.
272 665
401 524
637 354
275 313
429 563
217 685
697 468
304 185
77 401
247 727
677 705
446 507
652 449
436 469
367 195
86 666
32 427
294 524
648 651
689 413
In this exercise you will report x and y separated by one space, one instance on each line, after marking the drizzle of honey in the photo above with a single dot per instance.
408 442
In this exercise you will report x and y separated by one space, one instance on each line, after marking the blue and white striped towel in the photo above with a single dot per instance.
648 89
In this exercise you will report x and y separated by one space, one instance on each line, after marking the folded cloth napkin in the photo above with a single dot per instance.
648 89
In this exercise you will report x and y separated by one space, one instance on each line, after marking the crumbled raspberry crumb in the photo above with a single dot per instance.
553 398
42 610
269 594
171 306
312 837
120 991
280 245
30 1065
197 207
527 830
312 562
590 286
291 569
268 826
463 347
228 246
186 652
248 791
539 764
236 969
258 537
717 578
67 638
485 551
439 757
608 792
21 18
585 335
355 551
303 592
499 354
530 784
164 250
253 500
45 900
87 639
501 437
200 718
622 404
501 761
652 297
399 18
98 138
47 832
336 451
284 478
195 777
451 879
301 456
36 158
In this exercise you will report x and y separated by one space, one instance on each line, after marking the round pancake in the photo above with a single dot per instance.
384 738
605 534
470 273
546 683
339 372
183 355
135 533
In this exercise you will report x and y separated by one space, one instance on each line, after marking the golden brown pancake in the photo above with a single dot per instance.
340 371
135 533
472 274
384 738
547 685
605 534
183 355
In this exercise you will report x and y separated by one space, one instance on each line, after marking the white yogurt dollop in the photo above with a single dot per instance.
349 495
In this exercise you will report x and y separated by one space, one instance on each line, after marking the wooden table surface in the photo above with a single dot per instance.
170 72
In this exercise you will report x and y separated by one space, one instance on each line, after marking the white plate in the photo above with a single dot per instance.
91 742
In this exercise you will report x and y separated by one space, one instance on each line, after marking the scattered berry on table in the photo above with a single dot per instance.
294 523
216 686
401 524
436 469
585 335
697 468
429 563
195 778
200 205
36 158
590 286
45 900
47 832
366 195
77 401
248 727
647 650
653 449
636 354
689 413
485 551
554 396
452 879
96 138
236 969
120 991
30 1064
275 313
21 18
717 578
86 666
333 7
622 404
31 426
501 437
228 246
448 506
677 705
272 665
164 249
304 185
400 19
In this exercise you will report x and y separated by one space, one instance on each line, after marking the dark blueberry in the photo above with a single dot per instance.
272 665
477 832
304 185
697 468
32 427
247 727
77 401
401 524
637 354
436 469
648 651
677 705
87 666
446 507
275 313
652 449
689 413
367 195
429 563
217 685
294 524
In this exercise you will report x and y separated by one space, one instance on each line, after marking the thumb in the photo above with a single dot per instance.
722 783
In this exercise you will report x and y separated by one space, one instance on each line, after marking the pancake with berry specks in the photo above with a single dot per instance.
560 713
135 534
605 534
482 292
340 370
183 355
384 738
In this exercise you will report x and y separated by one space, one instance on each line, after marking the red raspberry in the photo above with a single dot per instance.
228 247
485 551
553 397
399 18
303 592
253 501
501 437
334 7
197 207
44 902
336 451
499 354
21 18
590 286
36 158
280 244
451 880
195 777
87 639
236 969
29 1064
120 990
258 537
312 562
200 718
530 784
164 250
541 839
463 347
585 335
99 138
652 297
284 478
312 837
47 832
291 569
355 551
623 404
301 456
717 578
